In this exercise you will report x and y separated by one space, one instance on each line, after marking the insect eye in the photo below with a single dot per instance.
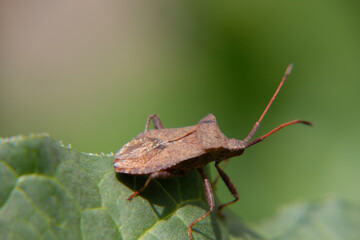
233 143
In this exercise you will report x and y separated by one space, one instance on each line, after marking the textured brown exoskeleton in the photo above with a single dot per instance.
165 153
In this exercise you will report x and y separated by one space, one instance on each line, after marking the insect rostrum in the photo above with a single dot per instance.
171 152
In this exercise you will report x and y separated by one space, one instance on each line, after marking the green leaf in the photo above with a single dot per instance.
48 191
331 219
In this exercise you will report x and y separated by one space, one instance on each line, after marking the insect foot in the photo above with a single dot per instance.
171 152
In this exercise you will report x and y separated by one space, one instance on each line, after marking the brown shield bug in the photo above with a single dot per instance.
171 152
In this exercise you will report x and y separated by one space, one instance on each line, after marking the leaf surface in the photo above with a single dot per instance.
332 218
48 191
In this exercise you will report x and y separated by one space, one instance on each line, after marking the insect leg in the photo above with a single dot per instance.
230 186
156 120
218 176
152 176
209 199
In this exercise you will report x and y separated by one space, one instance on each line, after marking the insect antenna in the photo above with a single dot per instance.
257 124
277 129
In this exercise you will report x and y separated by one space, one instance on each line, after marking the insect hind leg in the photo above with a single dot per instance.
156 121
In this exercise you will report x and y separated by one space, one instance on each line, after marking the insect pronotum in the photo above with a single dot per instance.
171 152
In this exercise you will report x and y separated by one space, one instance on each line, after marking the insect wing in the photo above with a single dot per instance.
136 153
175 152
169 134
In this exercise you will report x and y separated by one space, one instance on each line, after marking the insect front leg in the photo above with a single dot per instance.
230 186
151 177
218 176
156 120
209 199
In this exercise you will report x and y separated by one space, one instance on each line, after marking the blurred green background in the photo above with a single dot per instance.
90 72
